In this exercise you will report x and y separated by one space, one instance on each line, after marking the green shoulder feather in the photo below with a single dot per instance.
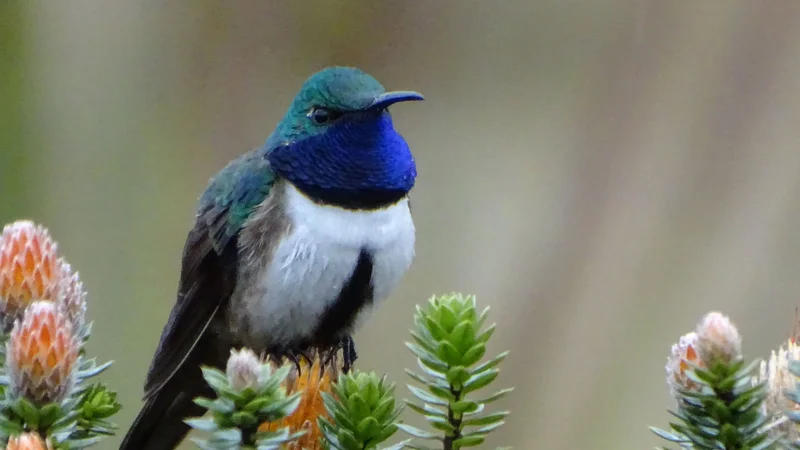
233 194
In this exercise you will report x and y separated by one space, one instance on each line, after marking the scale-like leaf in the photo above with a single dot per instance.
416 432
202 424
480 380
469 441
487 419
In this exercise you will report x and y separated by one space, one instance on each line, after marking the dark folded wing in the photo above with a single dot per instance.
209 267
207 281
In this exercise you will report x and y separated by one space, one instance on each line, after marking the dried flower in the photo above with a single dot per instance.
73 298
718 340
244 369
681 359
29 268
775 374
28 441
311 379
42 354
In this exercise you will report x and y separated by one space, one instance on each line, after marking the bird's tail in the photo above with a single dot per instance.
160 424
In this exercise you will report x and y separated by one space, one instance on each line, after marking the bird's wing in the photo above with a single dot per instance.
209 265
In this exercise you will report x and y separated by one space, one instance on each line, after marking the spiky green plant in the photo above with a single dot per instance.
720 404
723 411
449 343
362 413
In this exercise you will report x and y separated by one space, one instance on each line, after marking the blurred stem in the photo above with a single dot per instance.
454 421
14 111
249 437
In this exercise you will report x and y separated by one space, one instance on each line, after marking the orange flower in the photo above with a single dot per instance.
42 354
312 381
29 260
28 441
31 270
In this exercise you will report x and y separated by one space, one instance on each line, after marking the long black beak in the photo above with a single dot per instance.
383 101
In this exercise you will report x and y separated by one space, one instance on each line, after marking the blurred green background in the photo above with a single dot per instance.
601 173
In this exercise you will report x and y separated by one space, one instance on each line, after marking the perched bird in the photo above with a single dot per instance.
293 244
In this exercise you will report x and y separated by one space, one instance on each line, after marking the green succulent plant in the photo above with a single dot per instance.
449 341
363 412
722 412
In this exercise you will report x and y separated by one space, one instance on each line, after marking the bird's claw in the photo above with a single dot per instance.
349 355
346 344
293 355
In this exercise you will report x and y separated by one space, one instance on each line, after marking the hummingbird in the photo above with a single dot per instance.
294 244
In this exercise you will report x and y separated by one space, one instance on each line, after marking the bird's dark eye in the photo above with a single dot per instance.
321 116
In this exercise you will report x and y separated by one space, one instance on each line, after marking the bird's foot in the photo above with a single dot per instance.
294 355
349 355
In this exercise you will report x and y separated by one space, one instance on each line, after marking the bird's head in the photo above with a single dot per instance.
337 142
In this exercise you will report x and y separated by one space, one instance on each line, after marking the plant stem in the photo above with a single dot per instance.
249 437
454 421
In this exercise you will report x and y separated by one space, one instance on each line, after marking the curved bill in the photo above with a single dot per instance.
390 98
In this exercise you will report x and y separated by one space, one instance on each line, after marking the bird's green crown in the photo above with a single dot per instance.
337 89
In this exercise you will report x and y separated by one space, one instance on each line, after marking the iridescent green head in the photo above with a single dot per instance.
337 142
333 94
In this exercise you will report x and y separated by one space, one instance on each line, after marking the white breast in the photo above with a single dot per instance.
313 262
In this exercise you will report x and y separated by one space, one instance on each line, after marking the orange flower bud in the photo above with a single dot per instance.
29 268
311 381
28 441
42 354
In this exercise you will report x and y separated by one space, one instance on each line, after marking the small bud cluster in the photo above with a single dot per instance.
43 326
244 370
719 406
716 340
249 393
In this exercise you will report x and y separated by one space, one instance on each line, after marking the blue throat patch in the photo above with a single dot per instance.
359 163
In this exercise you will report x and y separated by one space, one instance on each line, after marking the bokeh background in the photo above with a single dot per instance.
601 173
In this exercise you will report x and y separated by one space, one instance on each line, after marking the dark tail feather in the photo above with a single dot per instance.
160 425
